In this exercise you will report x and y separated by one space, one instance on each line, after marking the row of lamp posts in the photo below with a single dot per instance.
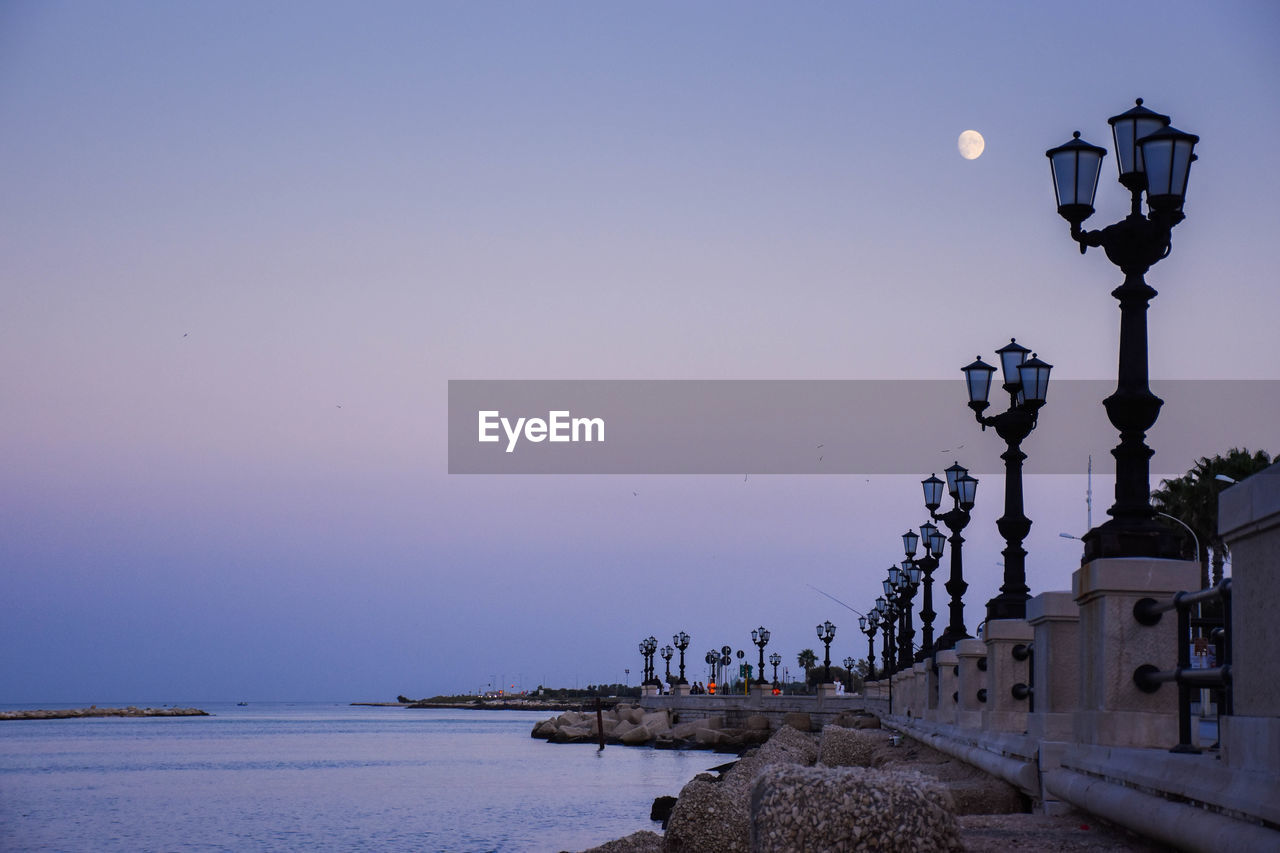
1153 159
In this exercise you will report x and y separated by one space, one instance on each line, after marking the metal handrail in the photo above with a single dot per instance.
1148 678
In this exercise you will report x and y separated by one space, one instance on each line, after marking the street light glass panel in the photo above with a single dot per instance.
1075 168
968 490
887 586
862 624
1035 379
910 540
926 530
932 492
1012 355
913 574
1126 129
954 473
1168 153
880 605
937 542
977 378
895 575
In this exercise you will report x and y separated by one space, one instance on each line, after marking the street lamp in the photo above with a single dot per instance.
826 633
1026 381
667 652
648 647
760 636
867 624
933 543
1156 159
681 642
848 668
712 658
963 489
888 614
775 659
908 579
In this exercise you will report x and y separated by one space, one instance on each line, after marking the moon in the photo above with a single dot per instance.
971 144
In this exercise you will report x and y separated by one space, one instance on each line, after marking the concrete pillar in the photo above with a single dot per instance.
826 690
1002 712
971 683
1113 711
948 666
650 690
1054 618
1249 521
680 690
919 690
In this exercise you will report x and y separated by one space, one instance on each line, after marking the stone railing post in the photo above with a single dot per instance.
971 683
1054 617
1249 521
1003 712
919 690
948 665
1113 644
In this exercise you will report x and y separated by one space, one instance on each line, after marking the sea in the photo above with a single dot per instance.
323 776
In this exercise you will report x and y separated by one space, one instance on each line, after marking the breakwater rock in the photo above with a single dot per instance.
632 725
95 711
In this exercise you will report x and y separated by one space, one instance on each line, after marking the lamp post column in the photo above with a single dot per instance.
1156 159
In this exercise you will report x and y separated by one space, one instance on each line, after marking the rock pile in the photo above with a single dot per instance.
95 711
634 726
849 809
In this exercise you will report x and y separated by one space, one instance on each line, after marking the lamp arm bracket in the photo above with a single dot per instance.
1086 239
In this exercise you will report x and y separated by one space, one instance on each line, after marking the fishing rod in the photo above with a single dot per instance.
836 600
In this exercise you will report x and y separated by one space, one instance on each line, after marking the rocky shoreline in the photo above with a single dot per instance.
95 711
845 788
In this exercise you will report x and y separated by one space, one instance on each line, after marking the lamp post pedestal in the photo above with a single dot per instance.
948 664
1113 644
680 689
1004 712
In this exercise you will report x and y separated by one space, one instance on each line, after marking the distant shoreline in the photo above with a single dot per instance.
499 705
95 711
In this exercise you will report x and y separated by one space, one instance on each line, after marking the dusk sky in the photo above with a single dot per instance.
244 247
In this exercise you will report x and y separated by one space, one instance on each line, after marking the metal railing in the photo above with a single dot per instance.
1149 678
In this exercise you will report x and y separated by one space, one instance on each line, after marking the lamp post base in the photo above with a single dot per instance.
1133 538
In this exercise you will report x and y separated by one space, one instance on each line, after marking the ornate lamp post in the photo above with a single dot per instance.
848 668
867 624
933 543
1156 159
826 633
681 642
1026 382
712 658
888 615
644 654
775 659
726 658
667 652
908 579
760 636
963 490
648 646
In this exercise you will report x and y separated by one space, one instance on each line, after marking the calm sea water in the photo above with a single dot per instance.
322 777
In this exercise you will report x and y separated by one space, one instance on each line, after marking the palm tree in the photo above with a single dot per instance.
808 660
1193 500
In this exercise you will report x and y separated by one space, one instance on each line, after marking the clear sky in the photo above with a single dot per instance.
243 247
